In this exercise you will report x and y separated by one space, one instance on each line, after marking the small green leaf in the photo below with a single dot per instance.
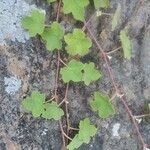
149 106
75 143
102 104
76 7
90 73
116 17
34 23
34 103
86 132
53 36
51 1
126 44
72 72
101 4
52 111
77 71
77 43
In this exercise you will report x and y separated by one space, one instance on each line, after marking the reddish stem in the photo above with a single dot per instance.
134 121
58 10
57 75
56 80
66 109
66 102
87 23
105 59
115 86
62 133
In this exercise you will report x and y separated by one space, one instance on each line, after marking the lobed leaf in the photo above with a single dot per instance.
86 132
90 73
101 4
53 36
77 43
52 111
76 7
35 104
34 23
75 143
126 44
77 71
116 17
72 72
102 104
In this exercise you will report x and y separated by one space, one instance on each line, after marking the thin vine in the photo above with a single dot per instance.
76 71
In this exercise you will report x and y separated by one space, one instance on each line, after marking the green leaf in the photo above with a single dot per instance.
77 43
77 71
90 73
86 132
72 72
101 4
126 44
75 143
52 111
34 23
149 106
116 17
76 7
51 1
53 36
102 104
34 103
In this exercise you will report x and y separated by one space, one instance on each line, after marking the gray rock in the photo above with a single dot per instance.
11 13
12 84
29 66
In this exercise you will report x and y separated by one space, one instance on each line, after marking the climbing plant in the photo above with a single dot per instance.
76 44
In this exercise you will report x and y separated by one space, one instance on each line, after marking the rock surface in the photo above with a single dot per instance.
26 65
11 12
